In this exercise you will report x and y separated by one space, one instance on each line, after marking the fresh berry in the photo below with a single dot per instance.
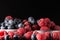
41 22
44 28
11 34
25 20
57 27
17 21
1 37
33 37
55 36
35 27
7 37
47 19
48 22
2 33
28 35
48 36
2 24
52 25
10 22
27 28
15 37
9 17
31 20
26 23
59 34
21 31
40 36
2 27
20 25
11 27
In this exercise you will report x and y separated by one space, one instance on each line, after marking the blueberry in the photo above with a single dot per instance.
23 38
15 37
33 37
31 20
17 21
2 24
2 27
10 22
7 37
6 21
6 24
16 26
10 27
20 25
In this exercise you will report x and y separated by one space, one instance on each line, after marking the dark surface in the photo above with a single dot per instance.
24 9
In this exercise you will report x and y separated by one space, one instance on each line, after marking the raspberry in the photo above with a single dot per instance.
59 34
47 36
44 22
28 35
25 20
11 34
40 36
21 31
1 37
55 35
41 22
34 27
9 17
52 25
57 27
44 28
35 32
48 22
26 23
28 28
2 33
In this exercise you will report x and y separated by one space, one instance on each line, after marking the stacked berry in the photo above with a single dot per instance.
46 35
26 29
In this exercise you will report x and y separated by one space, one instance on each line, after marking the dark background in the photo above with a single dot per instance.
24 9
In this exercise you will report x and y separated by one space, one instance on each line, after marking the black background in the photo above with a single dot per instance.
24 9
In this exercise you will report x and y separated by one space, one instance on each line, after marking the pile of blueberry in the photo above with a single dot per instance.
29 29
10 23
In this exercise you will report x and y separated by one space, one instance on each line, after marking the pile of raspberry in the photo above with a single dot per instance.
29 29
